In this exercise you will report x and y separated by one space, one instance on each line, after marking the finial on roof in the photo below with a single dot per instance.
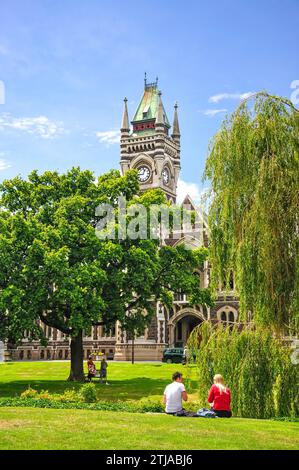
151 84
160 111
175 127
125 126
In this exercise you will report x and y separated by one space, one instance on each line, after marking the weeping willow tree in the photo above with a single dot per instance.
253 166
256 366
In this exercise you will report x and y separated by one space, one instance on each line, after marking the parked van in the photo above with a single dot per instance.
173 355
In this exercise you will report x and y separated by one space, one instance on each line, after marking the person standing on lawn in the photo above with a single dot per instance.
103 370
220 398
174 393
91 368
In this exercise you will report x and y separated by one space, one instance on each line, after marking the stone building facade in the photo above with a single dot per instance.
148 146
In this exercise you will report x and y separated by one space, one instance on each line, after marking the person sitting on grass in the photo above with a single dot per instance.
91 368
220 398
174 393
103 370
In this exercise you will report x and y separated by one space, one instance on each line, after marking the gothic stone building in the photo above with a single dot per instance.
150 146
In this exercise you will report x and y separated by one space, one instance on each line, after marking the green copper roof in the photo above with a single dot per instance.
147 108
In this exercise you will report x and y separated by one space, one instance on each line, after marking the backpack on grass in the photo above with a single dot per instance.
206 413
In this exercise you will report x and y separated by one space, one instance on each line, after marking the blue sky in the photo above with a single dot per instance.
67 65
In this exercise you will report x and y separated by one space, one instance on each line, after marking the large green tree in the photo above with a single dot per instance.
55 270
253 166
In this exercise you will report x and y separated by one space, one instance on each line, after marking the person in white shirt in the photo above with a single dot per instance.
174 393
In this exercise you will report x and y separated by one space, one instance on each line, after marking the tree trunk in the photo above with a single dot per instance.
133 350
77 371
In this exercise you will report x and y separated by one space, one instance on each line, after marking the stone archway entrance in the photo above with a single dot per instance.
181 326
183 329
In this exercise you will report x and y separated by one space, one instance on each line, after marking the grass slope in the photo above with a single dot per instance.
26 428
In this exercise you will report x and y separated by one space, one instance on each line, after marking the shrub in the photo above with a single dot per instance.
191 406
68 396
146 405
29 393
130 407
45 395
88 393
255 365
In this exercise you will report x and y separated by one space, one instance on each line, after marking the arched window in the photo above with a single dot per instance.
228 284
223 316
231 317
227 315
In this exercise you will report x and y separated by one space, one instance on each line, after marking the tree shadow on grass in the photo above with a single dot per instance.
124 390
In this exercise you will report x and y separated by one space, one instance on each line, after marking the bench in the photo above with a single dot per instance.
97 376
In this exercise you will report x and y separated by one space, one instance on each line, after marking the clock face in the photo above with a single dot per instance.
165 175
143 173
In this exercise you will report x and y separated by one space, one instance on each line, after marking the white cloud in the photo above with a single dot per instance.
3 163
40 125
214 112
230 96
108 137
192 189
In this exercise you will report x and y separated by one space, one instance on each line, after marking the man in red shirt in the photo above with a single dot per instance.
220 398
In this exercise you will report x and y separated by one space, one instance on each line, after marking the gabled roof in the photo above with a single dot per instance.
147 109
188 202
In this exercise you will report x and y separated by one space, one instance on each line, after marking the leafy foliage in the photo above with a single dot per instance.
55 271
29 393
256 366
253 166
88 393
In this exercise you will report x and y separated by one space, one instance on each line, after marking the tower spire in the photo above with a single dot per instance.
175 127
125 126
149 148
160 121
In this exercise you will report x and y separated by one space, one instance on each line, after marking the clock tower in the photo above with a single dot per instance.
148 146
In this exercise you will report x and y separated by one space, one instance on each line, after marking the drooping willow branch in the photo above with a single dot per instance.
267 95
253 165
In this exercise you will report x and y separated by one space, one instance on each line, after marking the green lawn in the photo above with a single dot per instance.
127 381
27 428
32 428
